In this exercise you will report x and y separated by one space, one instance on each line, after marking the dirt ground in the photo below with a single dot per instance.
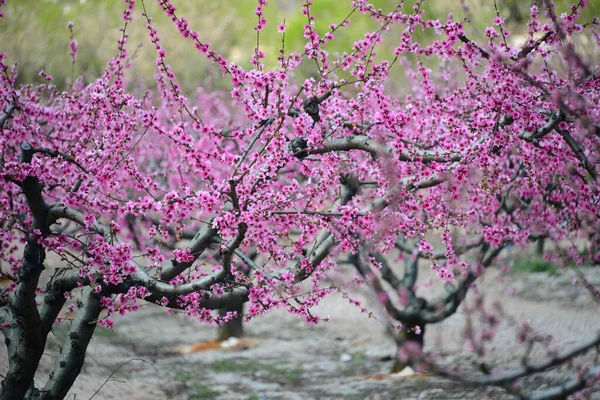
284 358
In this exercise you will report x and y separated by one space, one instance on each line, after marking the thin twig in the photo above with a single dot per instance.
117 370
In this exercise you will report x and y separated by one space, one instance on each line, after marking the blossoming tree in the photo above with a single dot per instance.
276 181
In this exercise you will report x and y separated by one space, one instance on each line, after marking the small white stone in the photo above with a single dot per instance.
229 343
407 371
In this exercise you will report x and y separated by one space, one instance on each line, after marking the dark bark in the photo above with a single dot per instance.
23 337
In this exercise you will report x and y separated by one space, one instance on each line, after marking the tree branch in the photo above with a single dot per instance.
411 273
259 132
373 147
371 278
387 273
552 123
6 114
440 309
58 211
55 153
579 153
203 239
529 369
563 391
468 41
528 49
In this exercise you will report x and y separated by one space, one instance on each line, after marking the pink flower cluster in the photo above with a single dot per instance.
495 144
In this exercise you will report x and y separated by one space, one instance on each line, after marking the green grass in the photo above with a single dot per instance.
251 366
294 375
105 333
289 374
198 390
203 392
356 364
34 33
535 265
235 365
57 338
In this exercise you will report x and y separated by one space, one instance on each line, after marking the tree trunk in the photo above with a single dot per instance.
23 335
540 247
25 350
233 327
409 347
70 361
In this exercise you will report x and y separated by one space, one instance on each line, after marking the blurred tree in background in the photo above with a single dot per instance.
35 32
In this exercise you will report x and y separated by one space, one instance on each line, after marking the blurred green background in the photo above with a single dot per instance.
35 33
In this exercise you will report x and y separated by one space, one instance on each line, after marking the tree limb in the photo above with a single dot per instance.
201 241
6 114
374 147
